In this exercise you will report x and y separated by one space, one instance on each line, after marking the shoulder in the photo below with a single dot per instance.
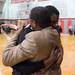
33 34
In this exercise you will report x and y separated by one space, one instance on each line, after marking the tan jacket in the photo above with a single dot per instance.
37 46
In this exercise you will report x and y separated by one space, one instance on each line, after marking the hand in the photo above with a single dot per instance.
13 26
52 58
17 32
60 56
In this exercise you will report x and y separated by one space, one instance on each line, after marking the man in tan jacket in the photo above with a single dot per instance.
38 45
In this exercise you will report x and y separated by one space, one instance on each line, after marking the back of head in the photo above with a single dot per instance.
52 10
53 14
40 16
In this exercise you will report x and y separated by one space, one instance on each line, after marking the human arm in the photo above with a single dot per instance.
15 54
52 58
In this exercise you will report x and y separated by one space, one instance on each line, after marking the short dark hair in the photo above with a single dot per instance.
41 16
52 10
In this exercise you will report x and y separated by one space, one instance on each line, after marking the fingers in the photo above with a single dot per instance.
13 26
60 58
10 25
5 24
55 53
17 33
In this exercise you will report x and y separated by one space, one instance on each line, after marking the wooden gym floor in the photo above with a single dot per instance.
68 64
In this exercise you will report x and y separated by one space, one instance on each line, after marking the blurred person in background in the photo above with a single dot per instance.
72 30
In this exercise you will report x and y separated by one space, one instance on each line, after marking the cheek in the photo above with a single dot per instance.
32 23
33 26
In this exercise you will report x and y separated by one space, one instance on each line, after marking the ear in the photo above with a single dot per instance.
32 23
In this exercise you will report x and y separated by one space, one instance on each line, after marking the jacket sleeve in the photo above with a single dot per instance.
14 54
